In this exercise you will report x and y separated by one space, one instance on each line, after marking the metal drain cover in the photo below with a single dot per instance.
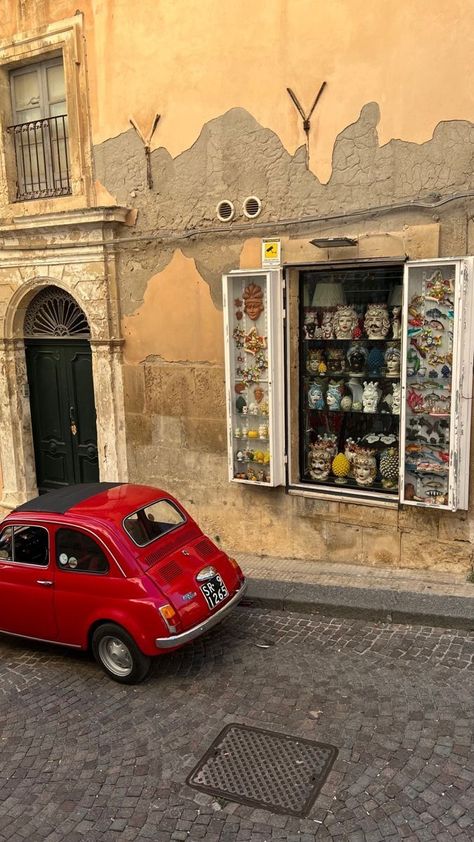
278 772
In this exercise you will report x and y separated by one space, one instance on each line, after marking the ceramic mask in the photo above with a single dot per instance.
376 321
320 463
370 396
344 322
315 396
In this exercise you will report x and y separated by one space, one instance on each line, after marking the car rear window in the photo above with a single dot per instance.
150 522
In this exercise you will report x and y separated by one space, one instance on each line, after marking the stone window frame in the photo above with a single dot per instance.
64 38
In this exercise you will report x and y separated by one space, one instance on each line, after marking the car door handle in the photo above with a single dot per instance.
46 582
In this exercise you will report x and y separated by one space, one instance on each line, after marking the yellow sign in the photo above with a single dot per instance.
271 252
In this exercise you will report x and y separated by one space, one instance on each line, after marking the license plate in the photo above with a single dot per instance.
214 591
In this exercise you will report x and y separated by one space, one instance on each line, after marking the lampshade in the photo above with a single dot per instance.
395 298
328 294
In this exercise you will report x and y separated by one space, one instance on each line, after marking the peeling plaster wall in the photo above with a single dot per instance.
174 377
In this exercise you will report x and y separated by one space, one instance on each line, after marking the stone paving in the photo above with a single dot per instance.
83 758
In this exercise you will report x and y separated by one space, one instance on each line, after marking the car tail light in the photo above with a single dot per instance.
237 567
170 617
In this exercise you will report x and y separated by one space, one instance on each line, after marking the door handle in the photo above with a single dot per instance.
46 582
72 419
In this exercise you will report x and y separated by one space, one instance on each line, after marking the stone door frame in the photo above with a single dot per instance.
16 437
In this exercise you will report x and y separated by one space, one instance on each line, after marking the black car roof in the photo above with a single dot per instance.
61 500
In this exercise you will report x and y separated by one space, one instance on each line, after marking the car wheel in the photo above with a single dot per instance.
118 654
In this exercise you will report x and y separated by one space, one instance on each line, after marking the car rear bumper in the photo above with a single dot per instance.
178 639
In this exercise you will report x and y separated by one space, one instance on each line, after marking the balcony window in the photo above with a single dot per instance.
40 130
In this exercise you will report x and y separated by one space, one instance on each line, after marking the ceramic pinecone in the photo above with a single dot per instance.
340 465
389 464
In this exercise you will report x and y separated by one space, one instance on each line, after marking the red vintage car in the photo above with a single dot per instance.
121 569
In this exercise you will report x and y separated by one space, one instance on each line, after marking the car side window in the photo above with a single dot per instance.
25 545
6 544
79 552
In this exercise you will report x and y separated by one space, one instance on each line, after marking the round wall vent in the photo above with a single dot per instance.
252 207
225 210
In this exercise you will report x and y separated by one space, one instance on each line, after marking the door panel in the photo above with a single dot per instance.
62 412
83 405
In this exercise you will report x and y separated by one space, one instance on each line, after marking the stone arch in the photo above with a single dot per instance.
16 440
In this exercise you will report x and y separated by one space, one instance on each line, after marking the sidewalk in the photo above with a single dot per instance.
352 590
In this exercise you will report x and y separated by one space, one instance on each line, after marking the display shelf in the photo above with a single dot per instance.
344 412
254 362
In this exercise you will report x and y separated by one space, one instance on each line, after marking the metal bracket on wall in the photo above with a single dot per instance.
306 117
146 145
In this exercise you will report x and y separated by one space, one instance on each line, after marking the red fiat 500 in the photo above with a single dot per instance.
122 569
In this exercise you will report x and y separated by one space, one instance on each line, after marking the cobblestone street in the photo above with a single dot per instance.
83 758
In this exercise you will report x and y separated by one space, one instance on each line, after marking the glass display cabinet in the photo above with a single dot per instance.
437 384
349 379
253 324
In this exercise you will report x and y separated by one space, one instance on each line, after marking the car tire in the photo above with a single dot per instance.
118 654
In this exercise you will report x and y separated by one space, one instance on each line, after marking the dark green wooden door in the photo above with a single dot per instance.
62 412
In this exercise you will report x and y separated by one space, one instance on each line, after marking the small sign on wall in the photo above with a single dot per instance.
271 252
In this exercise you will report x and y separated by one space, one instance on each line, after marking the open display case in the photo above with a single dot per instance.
349 379
437 384
253 313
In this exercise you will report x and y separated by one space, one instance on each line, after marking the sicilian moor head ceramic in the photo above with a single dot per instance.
357 358
316 396
253 301
364 467
334 395
344 321
392 362
327 328
370 396
320 456
316 362
376 321
336 360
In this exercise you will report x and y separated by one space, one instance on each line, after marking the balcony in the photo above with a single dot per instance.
42 158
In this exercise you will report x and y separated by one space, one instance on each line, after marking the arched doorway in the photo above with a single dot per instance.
61 389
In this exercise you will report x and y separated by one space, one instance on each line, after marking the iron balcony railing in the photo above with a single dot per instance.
42 158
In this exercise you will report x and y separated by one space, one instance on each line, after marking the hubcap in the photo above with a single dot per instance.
116 656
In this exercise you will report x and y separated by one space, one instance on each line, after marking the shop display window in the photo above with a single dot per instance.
350 381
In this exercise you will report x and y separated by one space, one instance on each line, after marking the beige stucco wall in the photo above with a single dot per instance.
394 125
191 62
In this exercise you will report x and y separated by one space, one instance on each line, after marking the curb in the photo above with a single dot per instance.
380 605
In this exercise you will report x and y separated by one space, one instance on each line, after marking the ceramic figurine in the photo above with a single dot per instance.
334 395
396 399
327 330
253 409
345 320
396 325
315 396
316 362
392 362
376 321
375 362
240 404
336 360
240 456
321 454
357 358
263 431
253 301
310 326
389 467
365 467
340 468
370 396
238 433
346 403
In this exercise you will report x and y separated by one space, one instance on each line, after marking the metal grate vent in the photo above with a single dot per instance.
225 210
264 769
205 548
53 312
252 207
171 571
